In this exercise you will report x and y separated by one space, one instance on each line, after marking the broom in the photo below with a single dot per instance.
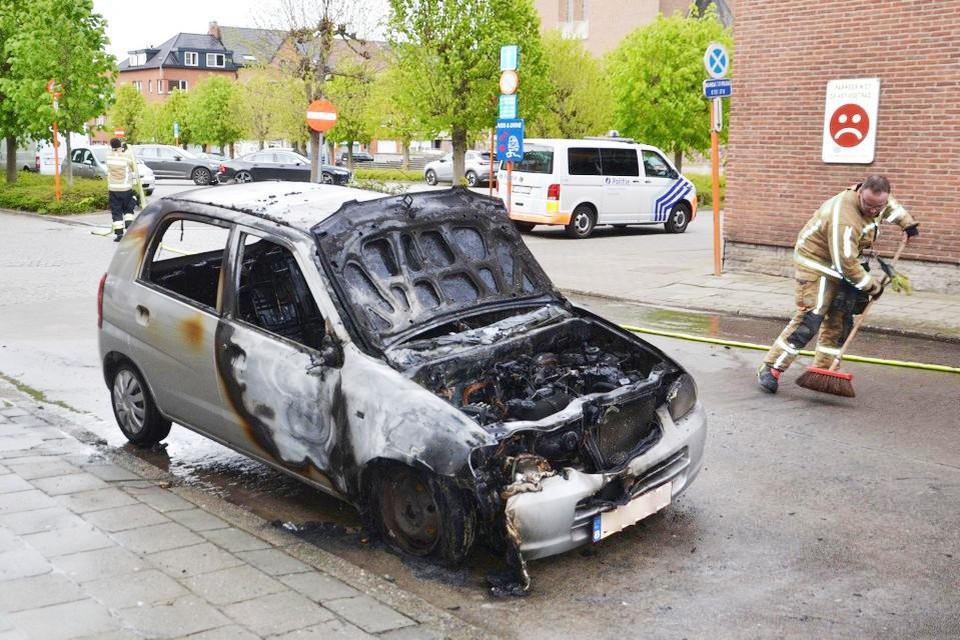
839 383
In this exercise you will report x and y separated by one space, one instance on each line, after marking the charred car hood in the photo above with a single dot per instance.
402 265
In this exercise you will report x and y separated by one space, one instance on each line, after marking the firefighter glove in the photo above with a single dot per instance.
874 288
913 230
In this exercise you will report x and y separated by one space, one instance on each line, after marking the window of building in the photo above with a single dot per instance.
191 58
138 85
149 86
180 85
572 10
215 60
101 121
137 59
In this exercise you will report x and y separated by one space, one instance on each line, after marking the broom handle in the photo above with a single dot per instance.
856 326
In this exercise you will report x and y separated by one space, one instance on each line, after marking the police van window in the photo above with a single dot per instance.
620 162
535 161
583 161
186 259
655 166
272 293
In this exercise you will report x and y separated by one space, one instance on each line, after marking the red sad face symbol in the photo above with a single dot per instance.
849 125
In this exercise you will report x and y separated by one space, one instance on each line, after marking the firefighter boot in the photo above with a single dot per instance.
769 378
118 235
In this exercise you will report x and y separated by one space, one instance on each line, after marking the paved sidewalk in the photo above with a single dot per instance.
94 543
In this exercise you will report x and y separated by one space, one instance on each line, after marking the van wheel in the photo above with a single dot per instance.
421 514
581 222
524 227
431 177
678 219
134 409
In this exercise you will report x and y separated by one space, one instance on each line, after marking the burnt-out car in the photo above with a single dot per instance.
406 354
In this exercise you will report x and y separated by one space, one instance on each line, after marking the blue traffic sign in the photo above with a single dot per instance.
716 60
510 140
508 107
509 57
722 88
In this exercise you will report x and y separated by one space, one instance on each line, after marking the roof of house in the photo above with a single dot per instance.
252 46
168 53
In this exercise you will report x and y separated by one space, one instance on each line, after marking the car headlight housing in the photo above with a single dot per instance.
682 396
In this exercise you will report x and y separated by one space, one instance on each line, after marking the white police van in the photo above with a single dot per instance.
582 183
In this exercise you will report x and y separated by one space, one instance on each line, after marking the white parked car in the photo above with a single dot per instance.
476 169
91 162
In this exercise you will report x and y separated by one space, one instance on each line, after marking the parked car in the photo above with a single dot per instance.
272 164
91 162
582 183
358 156
476 169
27 157
406 354
168 161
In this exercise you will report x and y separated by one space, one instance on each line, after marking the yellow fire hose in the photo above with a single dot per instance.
763 347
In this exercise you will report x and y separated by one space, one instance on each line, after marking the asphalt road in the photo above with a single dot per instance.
814 516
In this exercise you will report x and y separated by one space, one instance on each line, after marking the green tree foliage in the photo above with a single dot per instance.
580 102
448 53
398 116
60 40
351 93
214 113
259 98
657 74
127 111
176 109
289 118
11 18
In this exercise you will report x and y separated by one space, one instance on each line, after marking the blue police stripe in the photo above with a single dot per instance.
677 191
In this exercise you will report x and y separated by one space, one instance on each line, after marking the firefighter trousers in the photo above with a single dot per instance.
815 316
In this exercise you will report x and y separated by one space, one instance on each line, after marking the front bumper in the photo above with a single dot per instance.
549 521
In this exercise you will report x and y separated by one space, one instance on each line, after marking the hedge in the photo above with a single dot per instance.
34 192
704 184
388 175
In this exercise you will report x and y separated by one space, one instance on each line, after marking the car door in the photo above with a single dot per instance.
292 167
273 358
262 165
660 185
445 168
172 317
80 170
622 192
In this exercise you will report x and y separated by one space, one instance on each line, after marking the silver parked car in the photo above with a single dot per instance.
406 354
476 169
168 161
91 162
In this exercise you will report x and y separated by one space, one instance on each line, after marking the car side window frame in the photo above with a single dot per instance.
671 172
143 271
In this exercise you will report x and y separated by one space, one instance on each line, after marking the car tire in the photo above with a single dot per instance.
472 179
582 221
421 514
134 408
326 178
524 227
242 176
431 177
678 219
201 176
149 191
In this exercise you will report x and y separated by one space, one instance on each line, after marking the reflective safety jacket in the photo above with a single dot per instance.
121 171
832 242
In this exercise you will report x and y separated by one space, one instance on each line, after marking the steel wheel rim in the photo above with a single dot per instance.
581 222
244 176
129 402
411 514
679 217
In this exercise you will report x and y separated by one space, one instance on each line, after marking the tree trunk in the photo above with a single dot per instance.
678 160
11 160
406 154
69 164
315 153
260 143
459 139
350 155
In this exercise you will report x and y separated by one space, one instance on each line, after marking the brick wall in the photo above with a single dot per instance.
785 53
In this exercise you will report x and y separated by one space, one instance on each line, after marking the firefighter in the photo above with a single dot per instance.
122 177
139 197
826 256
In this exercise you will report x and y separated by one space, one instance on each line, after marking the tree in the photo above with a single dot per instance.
64 41
398 115
127 111
656 74
11 18
214 113
259 99
351 93
289 117
449 52
176 110
580 102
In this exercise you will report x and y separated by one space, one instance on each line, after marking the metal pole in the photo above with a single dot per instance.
490 184
715 157
509 186
56 160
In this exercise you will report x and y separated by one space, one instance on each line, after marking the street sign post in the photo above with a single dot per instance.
55 90
716 60
508 107
722 88
510 140
509 133
509 57
321 117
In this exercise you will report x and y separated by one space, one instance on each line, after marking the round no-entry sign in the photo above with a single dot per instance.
321 115
119 133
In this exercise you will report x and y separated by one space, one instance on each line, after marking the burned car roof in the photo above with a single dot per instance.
405 264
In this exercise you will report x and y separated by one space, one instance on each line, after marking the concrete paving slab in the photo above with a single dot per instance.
319 587
197 520
73 483
230 632
146 540
411 633
9 541
61 542
369 614
194 560
38 591
138 589
11 483
109 472
65 621
273 562
330 630
233 585
86 501
25 501
181 617
123 518
25 522
158 498
40 467
278 613
234 540
98 564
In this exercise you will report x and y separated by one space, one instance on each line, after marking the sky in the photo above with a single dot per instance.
135 24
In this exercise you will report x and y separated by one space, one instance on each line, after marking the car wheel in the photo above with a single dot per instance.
201 176
243 176
431 177
524 227
421 514
472 179
134 409
678 219
581 222
326 178
149 191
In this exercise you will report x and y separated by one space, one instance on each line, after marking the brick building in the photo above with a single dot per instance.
775 175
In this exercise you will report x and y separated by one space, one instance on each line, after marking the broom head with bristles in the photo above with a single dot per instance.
836 383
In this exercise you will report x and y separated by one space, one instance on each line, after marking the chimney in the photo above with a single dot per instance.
214 30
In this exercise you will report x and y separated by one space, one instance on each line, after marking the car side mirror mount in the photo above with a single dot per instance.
331 355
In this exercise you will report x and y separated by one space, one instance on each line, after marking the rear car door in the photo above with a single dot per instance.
622 192
292 167
276 377
262 166
173 312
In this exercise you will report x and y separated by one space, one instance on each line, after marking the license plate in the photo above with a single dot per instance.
521 189
611 522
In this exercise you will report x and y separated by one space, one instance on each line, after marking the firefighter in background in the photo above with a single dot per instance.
122 177
827 257
139 196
